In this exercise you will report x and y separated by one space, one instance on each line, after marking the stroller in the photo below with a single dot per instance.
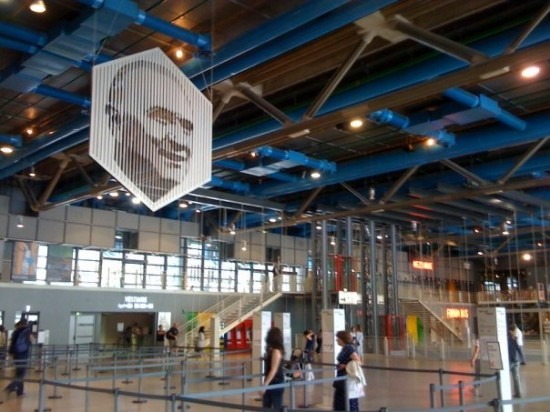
293 368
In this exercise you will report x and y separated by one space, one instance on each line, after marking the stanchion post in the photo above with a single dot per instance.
386 347
76 368
117 396
432 396
293 396
67 361
54 395
127 380
441 394
223 381
139 399
243 374
461 395
41 407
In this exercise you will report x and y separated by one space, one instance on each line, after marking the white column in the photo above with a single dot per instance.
215 330
282 321
332 321
493 329
261 323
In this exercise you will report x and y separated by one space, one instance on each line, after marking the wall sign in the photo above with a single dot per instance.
421 264
457 313
135 302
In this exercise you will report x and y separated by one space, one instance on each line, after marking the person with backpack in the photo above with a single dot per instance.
20 348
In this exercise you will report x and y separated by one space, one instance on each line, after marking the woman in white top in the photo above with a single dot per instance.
359 338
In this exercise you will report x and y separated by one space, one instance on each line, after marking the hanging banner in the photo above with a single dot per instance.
60 263
151 128
25 256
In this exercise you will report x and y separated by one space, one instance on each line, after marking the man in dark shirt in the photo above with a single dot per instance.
20 348
171 335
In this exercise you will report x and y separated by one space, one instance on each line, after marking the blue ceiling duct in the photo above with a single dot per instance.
490 138
73 43
253 39
423 72
226 184
290 158
129 10
24 35
337 19
11 139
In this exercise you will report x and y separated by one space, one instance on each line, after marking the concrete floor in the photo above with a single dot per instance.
401 390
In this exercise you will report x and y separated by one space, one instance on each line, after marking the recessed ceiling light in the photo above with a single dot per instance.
355 123
29 131
38 6
6 149
315 174
530 72
179 54
430 141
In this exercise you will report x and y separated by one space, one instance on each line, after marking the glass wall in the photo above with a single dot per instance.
200 266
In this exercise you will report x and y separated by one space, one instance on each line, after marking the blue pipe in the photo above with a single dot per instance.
422 72
25 35
59 94
236 186
17 45
32 157
129 9
266 33
473 101
199 40
462 96
491 138
390 117
296 157
240 166
337 19
11 139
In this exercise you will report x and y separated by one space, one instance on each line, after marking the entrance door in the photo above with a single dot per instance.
81 329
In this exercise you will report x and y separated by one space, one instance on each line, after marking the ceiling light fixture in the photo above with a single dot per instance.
333 241
372 193
318 226
183 204
527 257
530 72
232 231
113 194
243 247
136 201
29 131
272 219
179 54
430 141
32 172
315 174
6 149
99 197
356 123
20 223
38 6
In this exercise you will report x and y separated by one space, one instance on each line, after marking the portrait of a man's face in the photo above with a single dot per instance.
153 139
151 128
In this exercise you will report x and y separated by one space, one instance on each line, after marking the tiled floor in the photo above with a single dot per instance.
396 390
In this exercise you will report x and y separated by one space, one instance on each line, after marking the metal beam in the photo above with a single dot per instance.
337 78
464 172
437 42
397 98
397 185
523 159
308 201
280 116
529 29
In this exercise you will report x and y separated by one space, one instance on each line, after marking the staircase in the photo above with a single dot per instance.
232 311
414 307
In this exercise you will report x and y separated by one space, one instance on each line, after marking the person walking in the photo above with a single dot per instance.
172 335
201 341
347 354
518 336
20 348
514 357
273 370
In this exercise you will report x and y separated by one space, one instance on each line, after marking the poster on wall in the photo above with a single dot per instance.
60 263
25 255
